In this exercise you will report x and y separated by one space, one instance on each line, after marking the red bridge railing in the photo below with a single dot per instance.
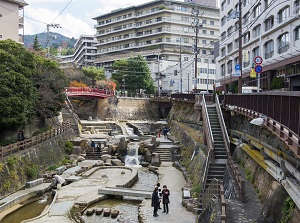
89 92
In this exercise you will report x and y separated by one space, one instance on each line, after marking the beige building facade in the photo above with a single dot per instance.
164 33
12 20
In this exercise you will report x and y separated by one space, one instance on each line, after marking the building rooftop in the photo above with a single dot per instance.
19 2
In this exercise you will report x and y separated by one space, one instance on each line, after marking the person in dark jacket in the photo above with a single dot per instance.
165 199
155 201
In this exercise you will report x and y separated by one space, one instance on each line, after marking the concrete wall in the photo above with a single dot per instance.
27 164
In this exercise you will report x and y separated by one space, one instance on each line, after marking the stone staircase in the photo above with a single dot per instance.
96 155
164 151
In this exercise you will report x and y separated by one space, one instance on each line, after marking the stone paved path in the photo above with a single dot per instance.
174 179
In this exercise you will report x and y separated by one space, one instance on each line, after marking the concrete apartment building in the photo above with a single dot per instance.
270 30
164 33
12 20
84 54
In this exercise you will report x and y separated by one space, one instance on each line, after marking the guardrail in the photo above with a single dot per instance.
27 143
215 190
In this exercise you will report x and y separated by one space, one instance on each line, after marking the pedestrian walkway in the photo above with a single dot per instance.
173 178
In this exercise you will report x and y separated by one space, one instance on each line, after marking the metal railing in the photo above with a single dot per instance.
223 126
27 143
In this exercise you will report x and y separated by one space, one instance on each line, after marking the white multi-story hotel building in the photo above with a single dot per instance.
164 33
84 54
12 20
270 30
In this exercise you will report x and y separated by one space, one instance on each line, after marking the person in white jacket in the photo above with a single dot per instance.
58 180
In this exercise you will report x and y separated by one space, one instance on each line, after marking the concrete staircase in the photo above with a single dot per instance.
216 168
96 155
164 151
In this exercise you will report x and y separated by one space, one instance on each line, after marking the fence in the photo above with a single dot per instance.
27 143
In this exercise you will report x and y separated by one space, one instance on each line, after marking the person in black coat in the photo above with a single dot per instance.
155 201
165 199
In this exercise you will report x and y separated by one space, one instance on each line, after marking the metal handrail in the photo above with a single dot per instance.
208 122
222 123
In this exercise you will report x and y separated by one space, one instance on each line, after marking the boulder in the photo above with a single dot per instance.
80 158
114 213
144 164
105 157
117 162
148 157
108 162
99 163
122 147
155 159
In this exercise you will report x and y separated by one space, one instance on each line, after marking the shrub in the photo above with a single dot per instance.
69 147
32 171
11 161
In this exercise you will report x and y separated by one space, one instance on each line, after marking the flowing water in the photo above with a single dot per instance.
132 158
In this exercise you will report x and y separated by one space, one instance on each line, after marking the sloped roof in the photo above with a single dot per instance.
19 2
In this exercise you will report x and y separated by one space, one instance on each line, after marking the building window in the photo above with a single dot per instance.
185 40
204 31
223 5
229 13
246 37
229 48
246 18
268 3
223 21
185 29
223 52
168 40
236 43
236 26
229 31
212 23
269 49
269 23
223 36
204 21
255 52
297 33
185 59
297 3
229 66
223 70
212 33
257 10
203 41
184 18
203 51
283 42
246 2
283 14
256 31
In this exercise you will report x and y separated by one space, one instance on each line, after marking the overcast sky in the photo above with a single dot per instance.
74 16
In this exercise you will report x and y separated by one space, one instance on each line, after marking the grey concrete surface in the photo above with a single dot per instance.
173 178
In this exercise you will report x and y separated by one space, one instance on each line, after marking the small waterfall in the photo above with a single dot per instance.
132 158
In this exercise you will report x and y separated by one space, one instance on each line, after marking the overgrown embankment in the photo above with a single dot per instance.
18 168
187 130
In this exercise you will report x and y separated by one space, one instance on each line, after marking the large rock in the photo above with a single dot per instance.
148 157
105 157
155 161
80 158
122 147
117 162
99 163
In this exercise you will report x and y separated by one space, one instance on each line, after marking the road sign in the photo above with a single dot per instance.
258 68
237 67
258 60
252 73
237 73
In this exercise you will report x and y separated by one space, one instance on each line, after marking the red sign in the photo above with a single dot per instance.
258 60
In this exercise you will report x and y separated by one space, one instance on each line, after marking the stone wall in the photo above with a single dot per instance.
28 164
126 108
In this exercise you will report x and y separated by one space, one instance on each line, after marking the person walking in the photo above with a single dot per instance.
165 132
155 201
165 199
93 145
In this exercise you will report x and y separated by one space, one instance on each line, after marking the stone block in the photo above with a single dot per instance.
99 211
60 170
34 183
117 162
90 212
114 213
106 212
186 193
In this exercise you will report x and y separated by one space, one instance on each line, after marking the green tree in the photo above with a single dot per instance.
36 45
120 68
277 83
94 73
136 74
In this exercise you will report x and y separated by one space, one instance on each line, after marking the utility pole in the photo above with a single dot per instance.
240 80
207 78
48 40
158 75
180 67
197 26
